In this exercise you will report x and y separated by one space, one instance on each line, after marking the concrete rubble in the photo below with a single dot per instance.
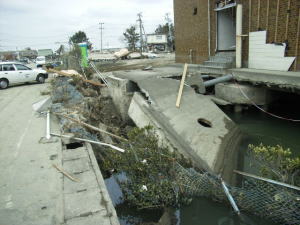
198 129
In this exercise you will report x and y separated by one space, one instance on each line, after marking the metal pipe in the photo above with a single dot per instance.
239 18
218 80
48 136
230 198
90 141
268 180
99 74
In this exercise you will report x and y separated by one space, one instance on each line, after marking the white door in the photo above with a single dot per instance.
226 29
25 72
11 73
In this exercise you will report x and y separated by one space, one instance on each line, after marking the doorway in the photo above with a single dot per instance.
226 29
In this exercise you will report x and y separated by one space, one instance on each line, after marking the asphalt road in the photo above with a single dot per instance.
30 188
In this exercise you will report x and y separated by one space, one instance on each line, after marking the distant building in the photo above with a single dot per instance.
157 42
8 55
28 53
48 53
207 29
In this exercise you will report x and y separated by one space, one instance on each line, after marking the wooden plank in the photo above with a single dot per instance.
181 85
65 173
94 83
77 75
271 63
90 126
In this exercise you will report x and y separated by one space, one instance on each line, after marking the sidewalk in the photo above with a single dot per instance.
32 191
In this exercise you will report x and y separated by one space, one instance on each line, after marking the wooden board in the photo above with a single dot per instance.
76 75
181 85
267 56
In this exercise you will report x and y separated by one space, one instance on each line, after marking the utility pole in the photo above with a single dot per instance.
101 28
169 21
141 34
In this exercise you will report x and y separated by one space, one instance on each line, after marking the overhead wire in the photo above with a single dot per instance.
259 108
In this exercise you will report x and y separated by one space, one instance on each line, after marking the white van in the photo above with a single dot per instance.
14 73
40 61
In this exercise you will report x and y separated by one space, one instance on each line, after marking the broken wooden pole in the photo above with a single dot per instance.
65 173
89 141
181 85
90 126
78 75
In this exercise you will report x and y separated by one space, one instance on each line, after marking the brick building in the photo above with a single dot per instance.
204 28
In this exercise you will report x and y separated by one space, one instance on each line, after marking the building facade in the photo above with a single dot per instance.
157 42
205 27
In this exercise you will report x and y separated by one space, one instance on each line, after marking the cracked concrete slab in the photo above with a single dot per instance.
86 181
82 203
78 165
211 147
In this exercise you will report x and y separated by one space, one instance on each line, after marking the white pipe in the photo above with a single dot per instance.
239 16
208 19
48 136
230 198
268 180
90 141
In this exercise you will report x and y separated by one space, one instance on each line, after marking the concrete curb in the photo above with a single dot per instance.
103 190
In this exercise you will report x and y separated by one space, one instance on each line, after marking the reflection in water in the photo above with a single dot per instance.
205 211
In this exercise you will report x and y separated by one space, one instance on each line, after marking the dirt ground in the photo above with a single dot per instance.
131 64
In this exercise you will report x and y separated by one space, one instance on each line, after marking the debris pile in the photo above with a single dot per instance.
154 176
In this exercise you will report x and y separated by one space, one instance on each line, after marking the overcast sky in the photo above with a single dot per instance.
43 23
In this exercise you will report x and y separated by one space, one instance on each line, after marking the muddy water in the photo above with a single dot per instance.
258 128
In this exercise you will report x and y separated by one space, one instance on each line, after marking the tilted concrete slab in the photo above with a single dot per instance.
212 148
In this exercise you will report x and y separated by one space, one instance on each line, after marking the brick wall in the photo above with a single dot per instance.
192 30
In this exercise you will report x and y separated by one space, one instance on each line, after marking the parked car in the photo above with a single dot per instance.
14 73
40 61
24 61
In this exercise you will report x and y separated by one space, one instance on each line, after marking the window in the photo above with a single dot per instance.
21 67
0 68
8 67
195 11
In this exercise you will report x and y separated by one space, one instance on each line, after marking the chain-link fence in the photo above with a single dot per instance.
277 203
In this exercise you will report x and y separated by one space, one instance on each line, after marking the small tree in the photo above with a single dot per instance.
276 163
131 37
80 37
60 50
